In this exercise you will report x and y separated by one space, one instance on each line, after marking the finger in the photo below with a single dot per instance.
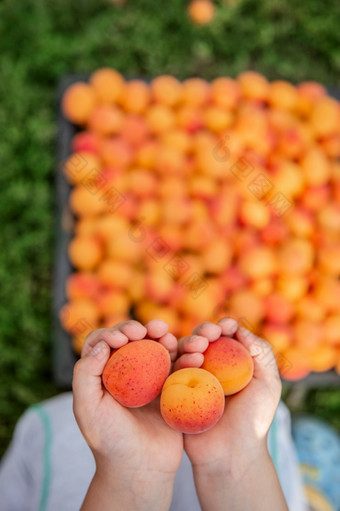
113 337
228 326
87 372
156 328
189 360
170 342
134 330
265 366
208 330
192 344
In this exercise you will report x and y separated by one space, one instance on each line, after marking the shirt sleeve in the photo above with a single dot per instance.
21 468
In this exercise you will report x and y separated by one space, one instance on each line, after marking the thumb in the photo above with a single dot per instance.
265 366
87 375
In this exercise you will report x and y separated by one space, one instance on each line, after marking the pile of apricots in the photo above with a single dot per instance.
196 200
192 399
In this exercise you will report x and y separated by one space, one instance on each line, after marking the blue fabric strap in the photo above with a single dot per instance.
46 455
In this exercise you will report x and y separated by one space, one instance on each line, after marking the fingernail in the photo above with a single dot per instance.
99 350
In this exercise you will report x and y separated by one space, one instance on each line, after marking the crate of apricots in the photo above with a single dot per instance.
194 200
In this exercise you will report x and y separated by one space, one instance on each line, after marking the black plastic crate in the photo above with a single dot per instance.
64 356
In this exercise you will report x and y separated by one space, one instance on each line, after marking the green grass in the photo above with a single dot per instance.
42 41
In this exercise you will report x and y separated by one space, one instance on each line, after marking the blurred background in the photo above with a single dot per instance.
43 41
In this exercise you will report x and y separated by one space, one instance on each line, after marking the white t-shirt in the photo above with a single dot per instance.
48 465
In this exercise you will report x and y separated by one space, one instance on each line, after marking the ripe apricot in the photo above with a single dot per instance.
225 92
325 117
283 95
86 202
78 102
201 12
85 252
113 302
192 400
166 89
134 129
315 167
76 313
135 373
115 274
135 96
258 262
106 120
230 362
82 285
195 92
81 167
253 85
108 84
160 119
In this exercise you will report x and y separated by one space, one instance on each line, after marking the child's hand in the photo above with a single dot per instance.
125 441
243 428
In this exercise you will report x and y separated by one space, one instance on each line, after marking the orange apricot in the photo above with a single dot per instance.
254 213
283 95
135 373
216 256
258 262
253 85
192 400
135 97
85 252
278 308
332 329
106 120
195 92
315 166
177 139
146 154
244 302
296 256
113 302
322 358
86 202
116 152
115 274
166 89
85 142
81 167
134 129
280 336
325 117
201 12
217 119
82 285
230 362
189 117
108 84
225 92
78 102
160 119
74 314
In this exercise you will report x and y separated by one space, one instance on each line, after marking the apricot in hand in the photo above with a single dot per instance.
192 400
230 362
135 373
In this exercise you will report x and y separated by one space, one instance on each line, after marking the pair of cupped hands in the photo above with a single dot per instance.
126 440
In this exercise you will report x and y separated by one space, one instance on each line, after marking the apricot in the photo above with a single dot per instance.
254 213
106 120
145 155
78 102
308 307
81 167
124 247
116 152
85 252
177 139
135 96
332 329
283 95
134 129
201 12
170 161
296 256
230 362
253 85
217 119
75 313
189 118
110 225
116 274
225 92
135 373
192 400
108 84
293 287
322 358
278 308
325 117
308 94
149 212
280 336
166 89
82 285
316 197
217 256
113 302
315 167
307 333
195 92
160 119
293 365
246 301
85 142
301 222
258 262
86 202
